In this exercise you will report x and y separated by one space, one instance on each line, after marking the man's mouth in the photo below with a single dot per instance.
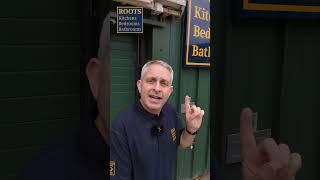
155 97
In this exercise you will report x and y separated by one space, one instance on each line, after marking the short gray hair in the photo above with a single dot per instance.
159 62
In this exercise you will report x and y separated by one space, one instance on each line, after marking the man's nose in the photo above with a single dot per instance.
157 86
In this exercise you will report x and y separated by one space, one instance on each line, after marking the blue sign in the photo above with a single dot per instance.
129 19
283 8
198 51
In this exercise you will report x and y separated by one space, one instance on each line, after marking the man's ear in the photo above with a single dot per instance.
92 71
171 89
139 85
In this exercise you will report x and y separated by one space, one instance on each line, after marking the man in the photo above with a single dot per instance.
144 137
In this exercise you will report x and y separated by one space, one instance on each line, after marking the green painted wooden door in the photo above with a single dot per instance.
40 78
123 68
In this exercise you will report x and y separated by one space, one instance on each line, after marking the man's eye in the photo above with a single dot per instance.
164 84
150 81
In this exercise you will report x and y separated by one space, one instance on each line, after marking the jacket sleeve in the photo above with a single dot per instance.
120 160
179 128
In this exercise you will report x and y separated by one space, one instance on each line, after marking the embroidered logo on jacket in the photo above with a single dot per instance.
173 134
112 168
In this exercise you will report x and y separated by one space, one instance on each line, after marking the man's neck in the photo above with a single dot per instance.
146 109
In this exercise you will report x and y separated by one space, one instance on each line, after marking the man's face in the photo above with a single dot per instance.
155 88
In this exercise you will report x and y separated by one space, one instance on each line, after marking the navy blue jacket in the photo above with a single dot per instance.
82 158
143 145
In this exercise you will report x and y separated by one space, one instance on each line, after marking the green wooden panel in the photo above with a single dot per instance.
218 26
201 147
125 88
26 32
160 45
273 66
39 71
188 86
40 9
39 133
253 74
122 98
121 55
122 78
38 83
123 62
300 95
43 108
252 78
39 58
123 38
123 45
175 42
122 71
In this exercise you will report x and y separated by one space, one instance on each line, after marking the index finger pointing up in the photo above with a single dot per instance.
187 103
247 139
